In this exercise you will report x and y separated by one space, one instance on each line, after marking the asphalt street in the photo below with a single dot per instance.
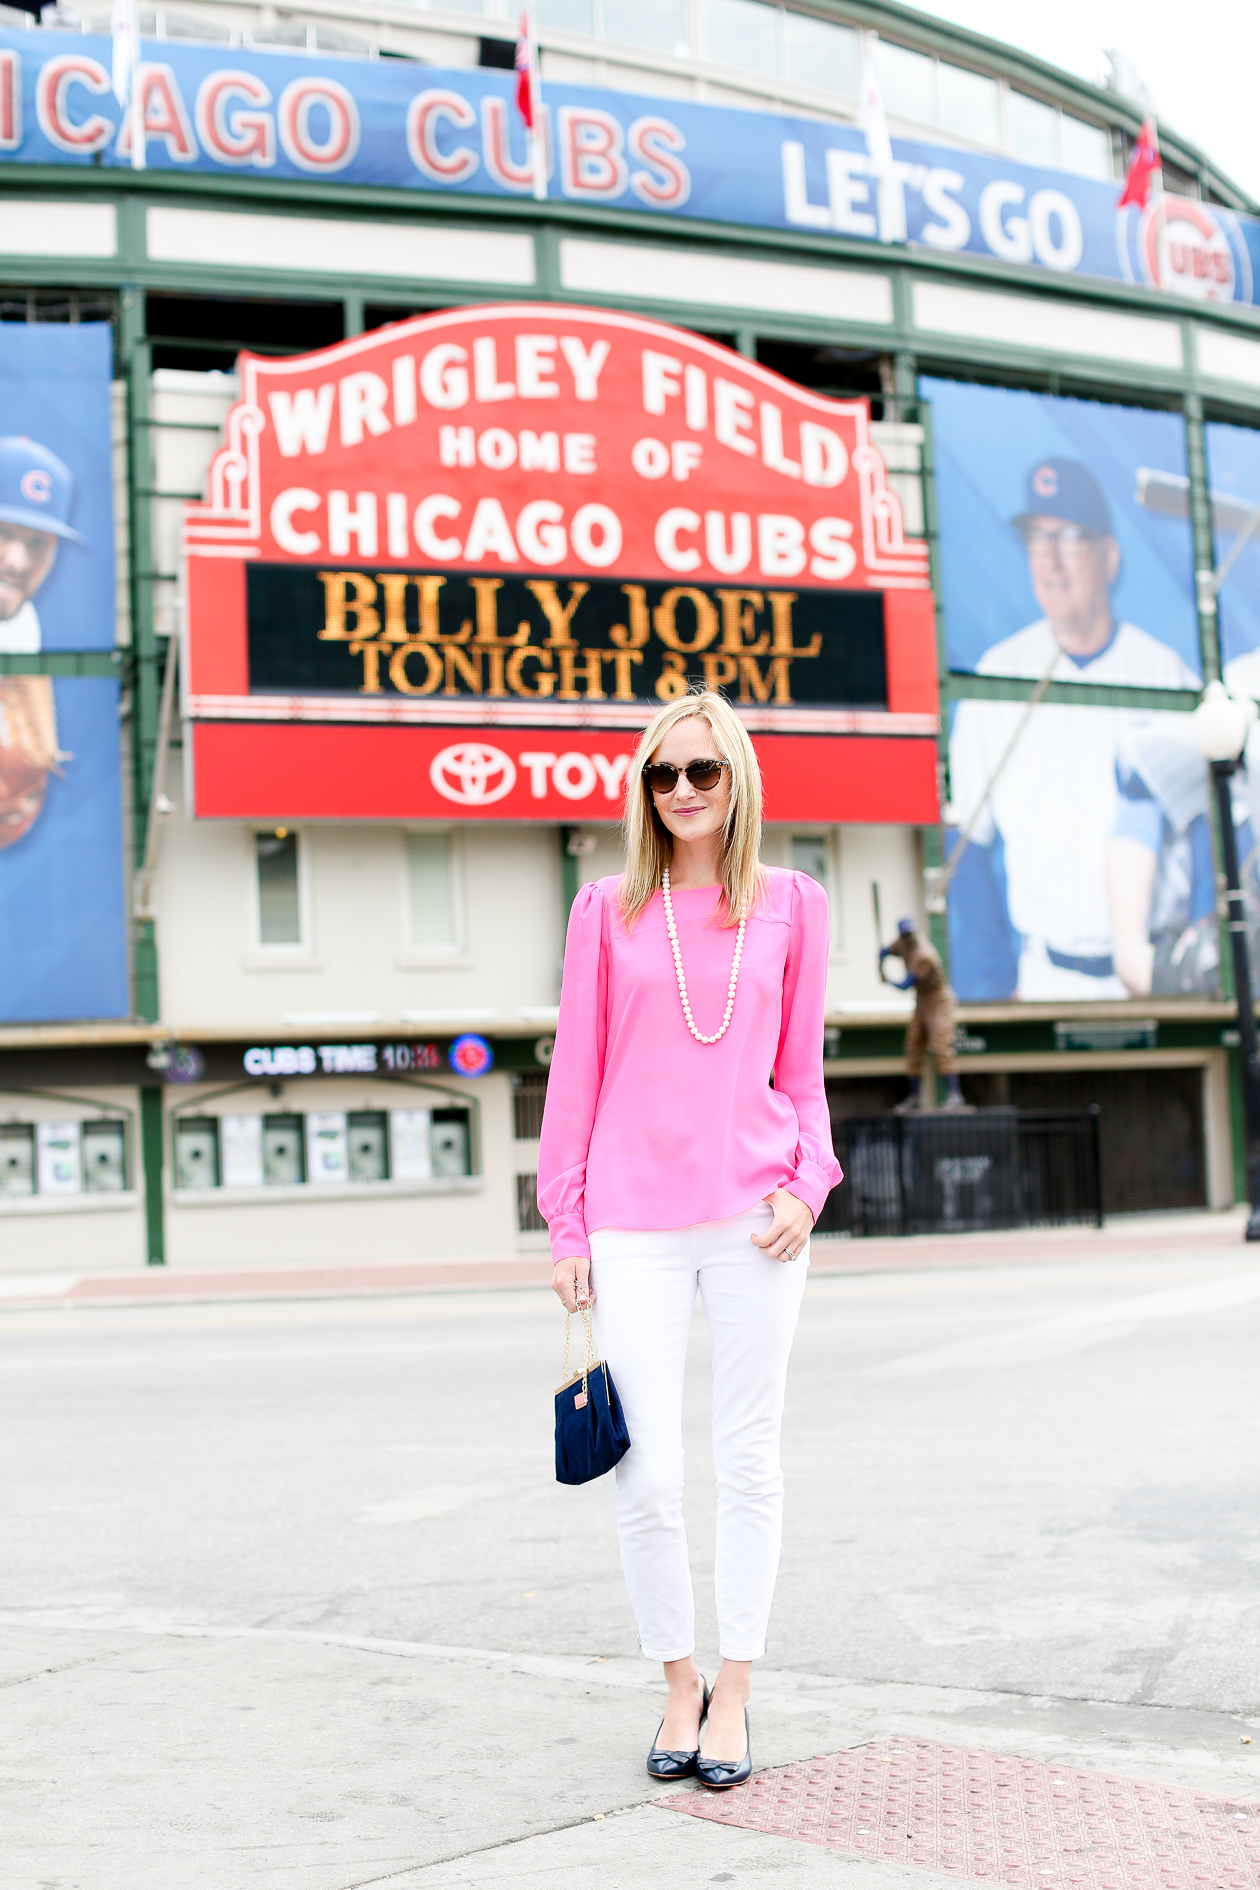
289 1597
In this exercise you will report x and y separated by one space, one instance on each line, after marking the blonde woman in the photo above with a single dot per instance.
668 1162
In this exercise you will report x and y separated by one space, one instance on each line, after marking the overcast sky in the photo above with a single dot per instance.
1201 62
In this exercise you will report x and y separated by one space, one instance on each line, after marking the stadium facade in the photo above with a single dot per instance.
341 976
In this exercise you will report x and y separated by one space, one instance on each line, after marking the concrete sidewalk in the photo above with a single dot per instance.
1130 1234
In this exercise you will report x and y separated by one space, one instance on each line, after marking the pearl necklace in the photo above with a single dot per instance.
672 929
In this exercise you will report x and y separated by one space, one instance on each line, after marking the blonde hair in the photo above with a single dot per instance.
649 844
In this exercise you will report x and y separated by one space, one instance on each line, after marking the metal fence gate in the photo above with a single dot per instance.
931 1174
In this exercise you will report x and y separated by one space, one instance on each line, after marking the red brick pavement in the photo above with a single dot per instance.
984 1817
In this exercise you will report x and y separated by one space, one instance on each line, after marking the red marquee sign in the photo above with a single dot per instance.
546 519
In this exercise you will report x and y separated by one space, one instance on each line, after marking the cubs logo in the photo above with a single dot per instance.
1186 248
470 1056
1045 482
36 486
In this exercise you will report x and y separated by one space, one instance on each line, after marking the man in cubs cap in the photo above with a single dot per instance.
36 494
1032 900
1073 557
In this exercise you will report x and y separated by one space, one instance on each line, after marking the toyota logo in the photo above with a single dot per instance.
473 774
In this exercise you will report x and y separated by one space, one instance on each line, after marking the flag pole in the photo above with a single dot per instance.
135 101
537 131
1161 222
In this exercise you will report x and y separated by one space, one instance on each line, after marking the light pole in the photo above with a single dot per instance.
1220 726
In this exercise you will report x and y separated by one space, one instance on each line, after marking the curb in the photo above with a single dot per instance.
1217 1234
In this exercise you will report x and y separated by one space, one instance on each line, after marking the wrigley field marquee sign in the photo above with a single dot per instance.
508 523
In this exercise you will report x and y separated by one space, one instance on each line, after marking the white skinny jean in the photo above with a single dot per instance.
645 1291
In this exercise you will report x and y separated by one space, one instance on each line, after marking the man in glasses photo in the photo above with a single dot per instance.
1029 913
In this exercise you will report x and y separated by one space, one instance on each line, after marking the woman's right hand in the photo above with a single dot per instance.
571 1279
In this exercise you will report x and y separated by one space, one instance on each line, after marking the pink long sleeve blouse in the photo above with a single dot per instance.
646 1128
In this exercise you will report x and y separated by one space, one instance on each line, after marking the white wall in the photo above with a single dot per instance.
213 973
357 957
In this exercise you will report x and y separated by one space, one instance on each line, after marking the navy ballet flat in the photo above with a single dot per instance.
673 1765
721 1774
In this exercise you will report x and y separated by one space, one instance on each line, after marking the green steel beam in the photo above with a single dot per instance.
1201 527
66 663
547 262
932 840
905 383
960 684
135 360
568 873
129 209
1237 1124
151 1153
354 321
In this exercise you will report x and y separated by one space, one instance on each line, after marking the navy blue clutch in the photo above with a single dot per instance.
591 1435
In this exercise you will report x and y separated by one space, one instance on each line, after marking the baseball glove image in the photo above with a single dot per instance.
28 751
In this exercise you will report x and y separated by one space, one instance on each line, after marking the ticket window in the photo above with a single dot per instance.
411 1144
282 1151
327 1147
451 1142
197 1152
320 1147
58 1158
368 1131
104 1157
17 1158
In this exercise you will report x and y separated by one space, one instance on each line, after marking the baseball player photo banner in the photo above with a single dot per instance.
1079 838
1233 455
62 931
1064 526
62 921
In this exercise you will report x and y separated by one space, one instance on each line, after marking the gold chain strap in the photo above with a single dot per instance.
584 1308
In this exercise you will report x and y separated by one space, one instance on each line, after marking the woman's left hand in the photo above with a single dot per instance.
790 1229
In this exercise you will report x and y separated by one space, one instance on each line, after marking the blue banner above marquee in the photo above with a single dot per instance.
405 126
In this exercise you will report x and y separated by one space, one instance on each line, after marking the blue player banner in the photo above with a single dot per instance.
62 920
1064 525
1233 455
1079 837
458 133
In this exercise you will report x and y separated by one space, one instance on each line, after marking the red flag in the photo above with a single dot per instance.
1142 167
524 83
